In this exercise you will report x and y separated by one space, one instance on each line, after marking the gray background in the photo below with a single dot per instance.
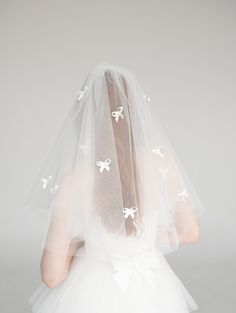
183 53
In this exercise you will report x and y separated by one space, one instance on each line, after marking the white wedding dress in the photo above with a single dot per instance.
115 274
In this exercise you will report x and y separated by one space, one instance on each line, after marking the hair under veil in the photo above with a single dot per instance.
112 161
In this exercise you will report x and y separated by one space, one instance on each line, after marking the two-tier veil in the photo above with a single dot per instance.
112 159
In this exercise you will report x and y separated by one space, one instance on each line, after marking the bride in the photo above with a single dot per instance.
118 200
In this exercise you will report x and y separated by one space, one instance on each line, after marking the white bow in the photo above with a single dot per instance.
158 152
117 114
183 194
80 93
104 165
45 181
125 266
129 212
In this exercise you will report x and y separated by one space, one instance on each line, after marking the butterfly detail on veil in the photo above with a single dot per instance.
129 212
80 93
104 165
45 181
158 151
117 114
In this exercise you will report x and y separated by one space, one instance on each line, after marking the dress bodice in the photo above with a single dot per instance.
101 244
125 254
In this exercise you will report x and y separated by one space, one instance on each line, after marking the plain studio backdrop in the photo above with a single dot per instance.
183 54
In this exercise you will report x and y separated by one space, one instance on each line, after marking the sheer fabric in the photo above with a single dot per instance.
112 162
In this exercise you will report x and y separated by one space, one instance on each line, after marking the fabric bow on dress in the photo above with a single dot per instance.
124 266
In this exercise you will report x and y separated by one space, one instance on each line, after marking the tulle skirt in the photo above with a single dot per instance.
90 288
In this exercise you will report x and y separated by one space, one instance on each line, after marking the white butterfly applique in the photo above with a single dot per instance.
104 165
80 93
45 181
117 114
129 212
158 151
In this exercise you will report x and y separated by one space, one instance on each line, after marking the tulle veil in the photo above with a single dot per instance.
112 159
